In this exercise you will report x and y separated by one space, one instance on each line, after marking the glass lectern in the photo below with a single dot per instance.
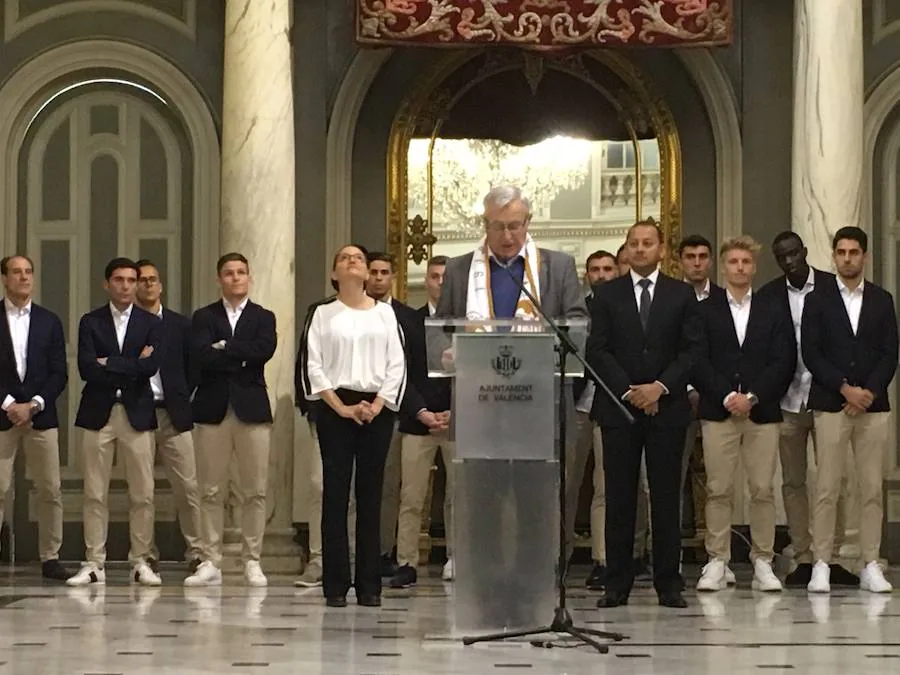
506 506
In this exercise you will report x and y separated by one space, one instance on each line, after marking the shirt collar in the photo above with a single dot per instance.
810 282
735 303
160 312
635 277
125 314
12 309
519 255
432 309
842 287
234 310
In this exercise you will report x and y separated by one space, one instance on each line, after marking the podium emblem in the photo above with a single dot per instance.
506 364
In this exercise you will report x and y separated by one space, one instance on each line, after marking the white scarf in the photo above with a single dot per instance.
479 303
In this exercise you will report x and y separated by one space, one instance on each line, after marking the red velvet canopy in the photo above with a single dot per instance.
545 24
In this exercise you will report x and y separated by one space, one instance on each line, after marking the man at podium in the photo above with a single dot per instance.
488 284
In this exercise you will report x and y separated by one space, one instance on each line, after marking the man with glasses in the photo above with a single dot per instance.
172 386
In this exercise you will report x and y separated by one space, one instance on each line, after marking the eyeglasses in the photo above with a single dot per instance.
512 228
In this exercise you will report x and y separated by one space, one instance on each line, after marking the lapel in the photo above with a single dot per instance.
130 330
727 320
108 328
866 311
543 274
6 337
838 300
657 304
629 301
221 318
243 319
34 326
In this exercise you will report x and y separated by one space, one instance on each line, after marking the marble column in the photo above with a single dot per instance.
258 221
828 122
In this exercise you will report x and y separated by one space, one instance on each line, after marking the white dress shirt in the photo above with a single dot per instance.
156 380
798 391
852 302
356 349
740 314
234 313
635 281
431 309
19 320
120 321
703 293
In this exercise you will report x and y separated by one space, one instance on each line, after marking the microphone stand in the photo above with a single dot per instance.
562 619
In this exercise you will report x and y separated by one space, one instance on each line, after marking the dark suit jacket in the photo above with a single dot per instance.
124 370
302 359
235 375
178 379
432 394
775 292
835 355
45 366
622 354
763 365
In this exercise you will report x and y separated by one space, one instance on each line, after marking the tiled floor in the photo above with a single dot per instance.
47 630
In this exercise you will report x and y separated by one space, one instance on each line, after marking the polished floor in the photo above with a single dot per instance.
48 629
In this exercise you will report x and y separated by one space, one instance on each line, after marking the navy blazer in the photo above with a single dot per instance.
432 394
176 371
764 364
624 354
124 371
45 366
234 376
835 355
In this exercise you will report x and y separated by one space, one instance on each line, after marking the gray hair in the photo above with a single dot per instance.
502 196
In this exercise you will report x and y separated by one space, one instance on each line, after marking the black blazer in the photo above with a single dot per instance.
835 355
775 293
300 365
763 365
45 366
432 394
622 354
124 370
235 375
178 380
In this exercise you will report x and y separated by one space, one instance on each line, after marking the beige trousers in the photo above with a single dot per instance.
867 436
416 462
738 439
135 451
598 507
176 449
796 429
217 447
316 490
390 496
42 466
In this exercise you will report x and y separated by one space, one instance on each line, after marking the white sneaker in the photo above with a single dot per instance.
89 574
713 577
764 578
143 575
253 574
448 573
207 574
872 579
821 578
730 579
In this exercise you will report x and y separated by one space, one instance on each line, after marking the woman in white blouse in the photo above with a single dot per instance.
356 374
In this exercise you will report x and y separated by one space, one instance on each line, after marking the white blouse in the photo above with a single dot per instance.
357 349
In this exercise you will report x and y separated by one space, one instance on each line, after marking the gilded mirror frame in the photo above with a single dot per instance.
638 104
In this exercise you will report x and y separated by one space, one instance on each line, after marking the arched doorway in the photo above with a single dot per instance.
109 151
586 135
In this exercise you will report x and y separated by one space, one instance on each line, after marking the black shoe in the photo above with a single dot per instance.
388 567
404 578
800 577
841 576
53 569
154 565
672 599
597 578
336 601
194 564
613 599
368 600
642 570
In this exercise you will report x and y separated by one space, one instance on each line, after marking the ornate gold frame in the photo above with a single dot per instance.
639 104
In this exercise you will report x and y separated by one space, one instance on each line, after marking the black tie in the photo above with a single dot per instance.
644 309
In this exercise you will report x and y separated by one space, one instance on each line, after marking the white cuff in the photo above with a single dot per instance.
664 387
690 388
8 401
40 401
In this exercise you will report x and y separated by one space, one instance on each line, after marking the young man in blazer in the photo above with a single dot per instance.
746 362
423 426
119 349
233 339
32 377
644 342
850 345
789 293
172 387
